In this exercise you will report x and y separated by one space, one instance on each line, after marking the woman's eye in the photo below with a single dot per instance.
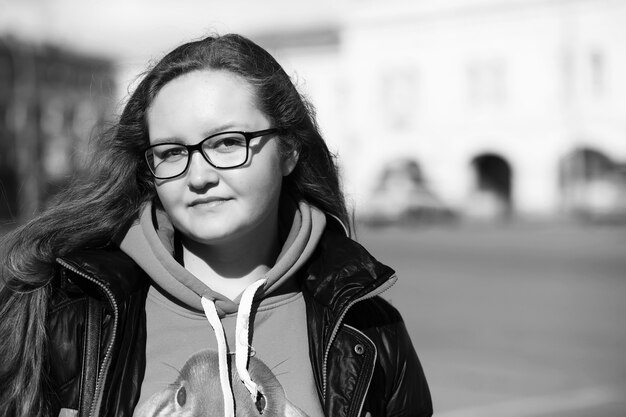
171 154
228 144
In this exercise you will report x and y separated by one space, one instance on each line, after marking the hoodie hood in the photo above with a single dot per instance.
150 243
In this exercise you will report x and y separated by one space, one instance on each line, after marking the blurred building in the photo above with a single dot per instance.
509 107
506 107
50 102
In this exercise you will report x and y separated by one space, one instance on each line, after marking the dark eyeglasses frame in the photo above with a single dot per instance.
198 147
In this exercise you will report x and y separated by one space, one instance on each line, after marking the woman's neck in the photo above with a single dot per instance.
230 267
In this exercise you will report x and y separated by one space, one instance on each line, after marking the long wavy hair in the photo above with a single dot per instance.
101 201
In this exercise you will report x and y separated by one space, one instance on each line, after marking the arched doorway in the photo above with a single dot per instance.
492 190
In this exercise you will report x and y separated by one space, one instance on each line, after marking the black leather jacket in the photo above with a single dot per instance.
363 360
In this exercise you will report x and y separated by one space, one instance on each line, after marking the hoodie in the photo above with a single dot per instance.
209 355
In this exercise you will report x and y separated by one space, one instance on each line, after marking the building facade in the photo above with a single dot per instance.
509 107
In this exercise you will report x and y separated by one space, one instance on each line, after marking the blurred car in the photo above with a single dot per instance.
401 197
601 199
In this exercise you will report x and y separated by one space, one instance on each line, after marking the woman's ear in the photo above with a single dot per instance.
289 162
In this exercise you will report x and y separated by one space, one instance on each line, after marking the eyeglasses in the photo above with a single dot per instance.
222 150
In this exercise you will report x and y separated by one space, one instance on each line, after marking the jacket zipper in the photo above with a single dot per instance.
95 404
377 291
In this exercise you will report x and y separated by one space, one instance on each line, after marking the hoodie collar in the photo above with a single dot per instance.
150 243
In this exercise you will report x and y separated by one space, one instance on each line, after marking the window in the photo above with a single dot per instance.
486 81
399 97
597 70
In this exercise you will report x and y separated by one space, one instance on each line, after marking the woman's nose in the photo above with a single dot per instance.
201 173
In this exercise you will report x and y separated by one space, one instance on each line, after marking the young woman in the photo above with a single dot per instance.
202 265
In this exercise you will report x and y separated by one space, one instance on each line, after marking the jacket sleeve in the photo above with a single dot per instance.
409 394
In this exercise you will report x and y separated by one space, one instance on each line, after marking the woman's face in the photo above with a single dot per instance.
206 204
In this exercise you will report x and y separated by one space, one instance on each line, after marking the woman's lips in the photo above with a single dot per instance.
208 202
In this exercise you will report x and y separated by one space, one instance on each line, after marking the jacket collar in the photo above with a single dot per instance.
109 267
342 271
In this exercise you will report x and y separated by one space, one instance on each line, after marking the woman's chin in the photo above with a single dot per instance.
209 237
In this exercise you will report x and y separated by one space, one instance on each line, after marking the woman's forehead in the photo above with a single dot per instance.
202 103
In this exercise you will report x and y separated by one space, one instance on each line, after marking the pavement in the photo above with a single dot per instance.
514 320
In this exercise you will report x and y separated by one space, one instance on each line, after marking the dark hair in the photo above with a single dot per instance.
100 202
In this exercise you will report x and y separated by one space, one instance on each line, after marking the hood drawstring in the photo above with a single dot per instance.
242 347
211 315
242 336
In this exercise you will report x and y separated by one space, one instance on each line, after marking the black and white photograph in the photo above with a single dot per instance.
355 208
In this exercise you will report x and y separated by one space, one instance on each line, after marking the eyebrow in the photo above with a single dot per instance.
226 127
166 140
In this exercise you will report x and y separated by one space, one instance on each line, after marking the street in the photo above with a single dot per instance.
513 320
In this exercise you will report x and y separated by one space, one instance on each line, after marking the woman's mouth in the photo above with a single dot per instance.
209 202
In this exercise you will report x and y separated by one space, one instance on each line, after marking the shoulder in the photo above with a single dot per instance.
340 256
374 313
107 267
383 324
341 271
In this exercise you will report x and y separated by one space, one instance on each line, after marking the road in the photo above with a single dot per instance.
516 320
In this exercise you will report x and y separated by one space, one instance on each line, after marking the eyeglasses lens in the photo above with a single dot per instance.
226 150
